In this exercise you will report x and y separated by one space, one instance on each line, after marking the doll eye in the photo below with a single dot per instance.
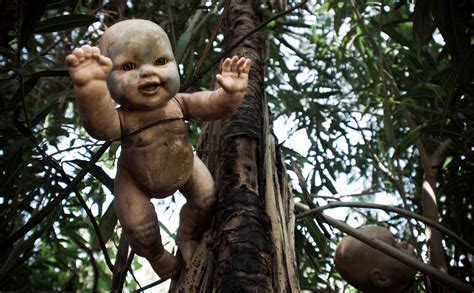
160 61
128 66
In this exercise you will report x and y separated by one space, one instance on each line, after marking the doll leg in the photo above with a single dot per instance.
140 223
197 213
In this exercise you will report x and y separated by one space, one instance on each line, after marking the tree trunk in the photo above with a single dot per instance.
250 244
436 252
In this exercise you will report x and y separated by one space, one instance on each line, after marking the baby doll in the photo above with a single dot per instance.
135 67
370 270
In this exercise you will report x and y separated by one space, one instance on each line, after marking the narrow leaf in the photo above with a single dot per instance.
64 22
31 16
407 141
388 122
183 42
107 224
423 27
98 173
55 4
23 90
41 115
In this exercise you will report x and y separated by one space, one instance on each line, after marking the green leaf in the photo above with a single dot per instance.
107 224
423 27
290 152
388 122
64 22
41 115
50 73
407 141
183 42
31 16
23 91
164 228
447 161
396 36
55 4
98 173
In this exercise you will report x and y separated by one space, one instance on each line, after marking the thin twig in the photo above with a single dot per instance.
156 283
120 264
95 267
339 196
96 230
319 217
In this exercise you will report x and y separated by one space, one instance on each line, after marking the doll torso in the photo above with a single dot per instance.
159 158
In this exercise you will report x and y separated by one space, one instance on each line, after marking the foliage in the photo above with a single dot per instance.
371 82
365 81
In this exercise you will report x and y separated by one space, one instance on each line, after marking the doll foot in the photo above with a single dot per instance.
166 265
187 248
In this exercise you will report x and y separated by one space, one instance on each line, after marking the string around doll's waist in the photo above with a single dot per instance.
152 124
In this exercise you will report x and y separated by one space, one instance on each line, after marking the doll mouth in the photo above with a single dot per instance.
149 88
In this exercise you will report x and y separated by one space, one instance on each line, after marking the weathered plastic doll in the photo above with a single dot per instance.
135 67
370 270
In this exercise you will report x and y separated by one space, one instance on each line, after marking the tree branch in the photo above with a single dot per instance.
398 255
95 267
387 208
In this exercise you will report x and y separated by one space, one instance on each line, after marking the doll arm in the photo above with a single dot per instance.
89 70
217 104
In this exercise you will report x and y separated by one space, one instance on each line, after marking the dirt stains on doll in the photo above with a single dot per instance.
135 67
370 270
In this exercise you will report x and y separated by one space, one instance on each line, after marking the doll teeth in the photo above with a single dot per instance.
149 87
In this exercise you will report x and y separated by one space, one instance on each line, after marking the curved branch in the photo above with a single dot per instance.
95 266
97 231
395 253
386 208
400 256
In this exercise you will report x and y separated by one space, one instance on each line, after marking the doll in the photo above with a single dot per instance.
370 270
134 67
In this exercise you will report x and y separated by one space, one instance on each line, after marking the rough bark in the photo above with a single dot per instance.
249 247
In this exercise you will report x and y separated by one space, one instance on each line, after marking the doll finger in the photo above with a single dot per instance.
79 53
95 52
105 60
71 60
240 65
87 51
220 79
234 64
226 64
246 66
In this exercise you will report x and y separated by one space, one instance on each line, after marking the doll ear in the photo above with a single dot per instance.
379 279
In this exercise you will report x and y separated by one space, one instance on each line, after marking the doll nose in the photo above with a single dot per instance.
147 70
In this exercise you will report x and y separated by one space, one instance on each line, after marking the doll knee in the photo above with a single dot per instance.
206 199
145 237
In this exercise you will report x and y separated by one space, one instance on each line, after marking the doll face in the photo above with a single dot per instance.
369 269
144 73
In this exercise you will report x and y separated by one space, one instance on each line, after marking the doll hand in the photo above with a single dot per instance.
234 76
86 64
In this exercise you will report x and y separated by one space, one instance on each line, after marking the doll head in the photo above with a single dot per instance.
145 73
371 270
